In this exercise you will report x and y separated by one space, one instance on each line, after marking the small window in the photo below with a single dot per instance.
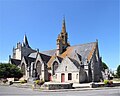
54 67
56 76
65 68
69 76
76 76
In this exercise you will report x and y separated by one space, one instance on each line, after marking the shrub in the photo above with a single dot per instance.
23 81
39 82
10 71
106 81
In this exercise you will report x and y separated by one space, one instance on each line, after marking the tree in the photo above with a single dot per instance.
118 71
104 66
10 71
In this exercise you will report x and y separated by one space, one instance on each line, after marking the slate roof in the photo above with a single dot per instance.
33 55
50 52
29 59
15 61
84 50
44 57
53 58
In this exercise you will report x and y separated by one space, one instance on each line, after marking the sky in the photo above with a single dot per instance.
41 21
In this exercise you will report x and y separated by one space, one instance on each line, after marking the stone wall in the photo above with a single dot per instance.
54 86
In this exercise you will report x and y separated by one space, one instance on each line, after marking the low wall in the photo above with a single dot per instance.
106 85
54 86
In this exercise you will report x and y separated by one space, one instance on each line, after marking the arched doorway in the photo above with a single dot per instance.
62 77
38 69
54 67
23 68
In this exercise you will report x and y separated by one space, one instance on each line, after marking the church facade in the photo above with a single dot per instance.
66 63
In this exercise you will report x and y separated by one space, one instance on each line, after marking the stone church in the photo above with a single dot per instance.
72 64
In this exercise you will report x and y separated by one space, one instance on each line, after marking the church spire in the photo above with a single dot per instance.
25 42
62 40
63 26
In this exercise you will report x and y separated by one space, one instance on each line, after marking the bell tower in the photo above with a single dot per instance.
62 40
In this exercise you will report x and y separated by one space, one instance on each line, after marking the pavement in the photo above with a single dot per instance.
14 91
76 87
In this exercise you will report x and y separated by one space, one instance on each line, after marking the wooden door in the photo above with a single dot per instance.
62 77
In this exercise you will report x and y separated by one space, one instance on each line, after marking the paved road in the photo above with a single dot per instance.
13 91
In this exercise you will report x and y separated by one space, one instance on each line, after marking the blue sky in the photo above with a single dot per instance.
41 20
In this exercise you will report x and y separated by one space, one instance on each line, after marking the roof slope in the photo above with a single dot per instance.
45 57
50 52
81 52
52 59
15 61
29 59
84 50
33 55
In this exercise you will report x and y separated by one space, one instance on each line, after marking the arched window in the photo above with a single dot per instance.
23 68
54 67
38 68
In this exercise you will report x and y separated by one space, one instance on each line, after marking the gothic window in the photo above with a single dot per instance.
69 76
23 68
38 68
54 67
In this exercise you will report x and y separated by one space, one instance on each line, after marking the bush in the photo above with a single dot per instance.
118 71
39 82
10 71
23 81
106 81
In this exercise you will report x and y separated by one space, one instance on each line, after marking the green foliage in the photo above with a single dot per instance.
39 82
118 71
23 81
109 82
9 71
106 81
104 66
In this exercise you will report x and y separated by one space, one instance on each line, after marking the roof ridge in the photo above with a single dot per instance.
48 50
44 54
82 44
